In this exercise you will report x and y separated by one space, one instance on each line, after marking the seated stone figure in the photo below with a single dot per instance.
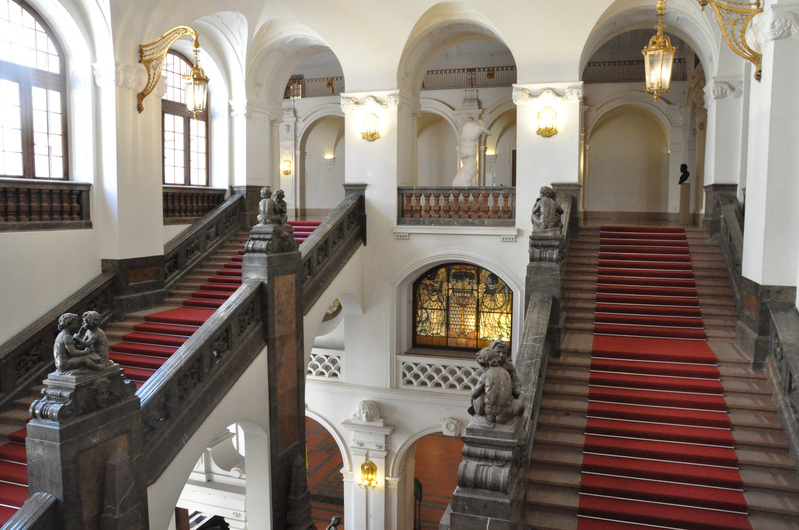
546 211
93 338
272 211
492 397
67 356
504 351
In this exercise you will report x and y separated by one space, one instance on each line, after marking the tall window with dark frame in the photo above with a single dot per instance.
185 138
33 123
458 306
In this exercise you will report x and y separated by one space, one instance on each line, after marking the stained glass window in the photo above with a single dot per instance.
33 139
461 306
185 137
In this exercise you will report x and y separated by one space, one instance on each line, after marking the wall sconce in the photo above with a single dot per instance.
658 58
285 167
490 74
733 18
547 122
371 128
152 56
368 475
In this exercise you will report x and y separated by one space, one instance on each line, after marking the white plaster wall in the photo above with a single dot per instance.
437 148
324 177
632 178
39 270
172 231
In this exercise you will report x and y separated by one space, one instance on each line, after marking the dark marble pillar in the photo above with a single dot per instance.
712 218
754 327
84 445
252 196
272 258
140 283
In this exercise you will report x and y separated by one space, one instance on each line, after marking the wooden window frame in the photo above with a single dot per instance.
28 77
175 108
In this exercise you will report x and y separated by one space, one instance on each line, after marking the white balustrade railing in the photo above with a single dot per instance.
437 373
325 364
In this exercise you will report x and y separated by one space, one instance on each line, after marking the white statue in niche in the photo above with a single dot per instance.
366 410
470 134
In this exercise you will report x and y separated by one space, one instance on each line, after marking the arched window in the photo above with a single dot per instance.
33 124
185 138
460 306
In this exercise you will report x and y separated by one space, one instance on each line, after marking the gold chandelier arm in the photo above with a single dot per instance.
152 56
734 19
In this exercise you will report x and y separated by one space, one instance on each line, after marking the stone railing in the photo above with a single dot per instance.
782 367
184 391
482 77
437 373
38 513
325 364
626 71
731 242
192 247
184 204
470 206
27 357
492 475
332 243
28 204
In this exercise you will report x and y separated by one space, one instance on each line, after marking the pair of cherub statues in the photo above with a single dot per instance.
495 398
80 346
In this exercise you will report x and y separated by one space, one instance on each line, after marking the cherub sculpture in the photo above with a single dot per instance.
67 355
492 397
92 337
504 351
546 211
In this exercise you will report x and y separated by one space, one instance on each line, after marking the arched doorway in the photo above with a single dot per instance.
437 458
324 475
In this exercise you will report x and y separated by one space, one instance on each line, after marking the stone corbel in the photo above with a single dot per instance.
134 77
239 108
388 101
776 25
531 95
732 88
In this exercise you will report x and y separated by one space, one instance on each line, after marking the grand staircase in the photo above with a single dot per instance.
651 417
140 344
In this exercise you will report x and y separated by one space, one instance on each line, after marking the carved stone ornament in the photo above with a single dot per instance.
526 95
272 234
451 426
131 76
352 103
546 211
781 25
492 398
79 349
718 89
69 396
366 411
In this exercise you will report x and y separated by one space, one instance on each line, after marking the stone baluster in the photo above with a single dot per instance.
35 206
436 209
45 204
495 205
484 209
426 207
475 198
74 206
22 205
65 205
455 209
2 205
465 207
417 204
407 207
505 205
11 205
445 199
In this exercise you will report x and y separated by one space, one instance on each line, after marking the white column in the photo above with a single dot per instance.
289 183
238 142
261 168
771 235
541 161
367 509
723 137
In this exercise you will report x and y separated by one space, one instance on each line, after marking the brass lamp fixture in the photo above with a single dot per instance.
547 122
285 167
370 130
659 58
734 18
152 56
368 478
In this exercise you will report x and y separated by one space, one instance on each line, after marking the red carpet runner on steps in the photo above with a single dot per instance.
658 448
141 353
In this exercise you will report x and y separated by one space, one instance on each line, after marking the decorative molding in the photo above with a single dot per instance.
718 89
324 365
505 234
438 374
776 26
130 76
102 76
239 108
527 95
451 426
389 101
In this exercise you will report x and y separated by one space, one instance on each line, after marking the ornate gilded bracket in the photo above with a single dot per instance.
152 56
734 18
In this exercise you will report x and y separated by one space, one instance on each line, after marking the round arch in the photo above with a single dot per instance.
335 434
630 98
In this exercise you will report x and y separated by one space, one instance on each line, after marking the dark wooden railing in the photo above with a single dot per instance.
27 357
28 204
483 77
731 242
184 391
626 71
439 205
185 252
184 204
331 244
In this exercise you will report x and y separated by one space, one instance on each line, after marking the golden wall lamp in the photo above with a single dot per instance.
368 478
658 58
734 18
152 56
547 122
285 167
370 129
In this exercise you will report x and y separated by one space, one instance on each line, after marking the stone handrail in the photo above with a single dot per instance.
183 204
27 357
446 205
31 204
782 367
189 249
38 513
332 243
730 239
492 475
184 391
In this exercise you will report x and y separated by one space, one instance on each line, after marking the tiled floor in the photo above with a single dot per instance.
437 460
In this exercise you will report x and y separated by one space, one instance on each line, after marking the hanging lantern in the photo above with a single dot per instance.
659 58
196 86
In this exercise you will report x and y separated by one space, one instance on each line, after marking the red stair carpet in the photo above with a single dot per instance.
140 353
658 447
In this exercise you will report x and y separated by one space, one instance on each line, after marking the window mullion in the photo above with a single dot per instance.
26 111
187 150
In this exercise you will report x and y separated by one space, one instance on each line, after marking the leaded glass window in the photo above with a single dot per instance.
460 306
33 125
